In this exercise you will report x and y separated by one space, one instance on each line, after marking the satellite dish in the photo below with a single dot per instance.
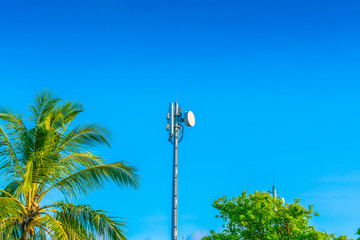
189 119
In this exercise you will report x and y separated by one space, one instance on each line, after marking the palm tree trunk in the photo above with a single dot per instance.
25 232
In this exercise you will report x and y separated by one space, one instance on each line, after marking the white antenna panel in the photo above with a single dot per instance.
171 110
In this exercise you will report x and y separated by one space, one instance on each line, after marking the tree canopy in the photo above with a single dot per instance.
261 216
48 153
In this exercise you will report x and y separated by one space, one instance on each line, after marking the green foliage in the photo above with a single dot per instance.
261 216
53 155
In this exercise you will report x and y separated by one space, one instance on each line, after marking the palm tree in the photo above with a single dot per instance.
51 155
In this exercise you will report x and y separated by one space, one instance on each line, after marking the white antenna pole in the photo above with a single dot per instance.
274 191
174 221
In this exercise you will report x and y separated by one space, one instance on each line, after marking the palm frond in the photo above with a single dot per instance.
10 199
92 178
12 188
11 119
44 105
12 161
93 221
55 227
85 135
10 230
70 110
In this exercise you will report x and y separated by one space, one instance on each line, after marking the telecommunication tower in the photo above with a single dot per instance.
276 194
175 120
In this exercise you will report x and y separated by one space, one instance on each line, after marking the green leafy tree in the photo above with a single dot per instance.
261 216
52 155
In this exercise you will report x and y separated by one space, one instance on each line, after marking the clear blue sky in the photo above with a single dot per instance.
274 86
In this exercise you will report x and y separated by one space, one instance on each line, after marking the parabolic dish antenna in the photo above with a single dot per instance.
189 119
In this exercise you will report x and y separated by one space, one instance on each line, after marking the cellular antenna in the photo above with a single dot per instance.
175 120
275 193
